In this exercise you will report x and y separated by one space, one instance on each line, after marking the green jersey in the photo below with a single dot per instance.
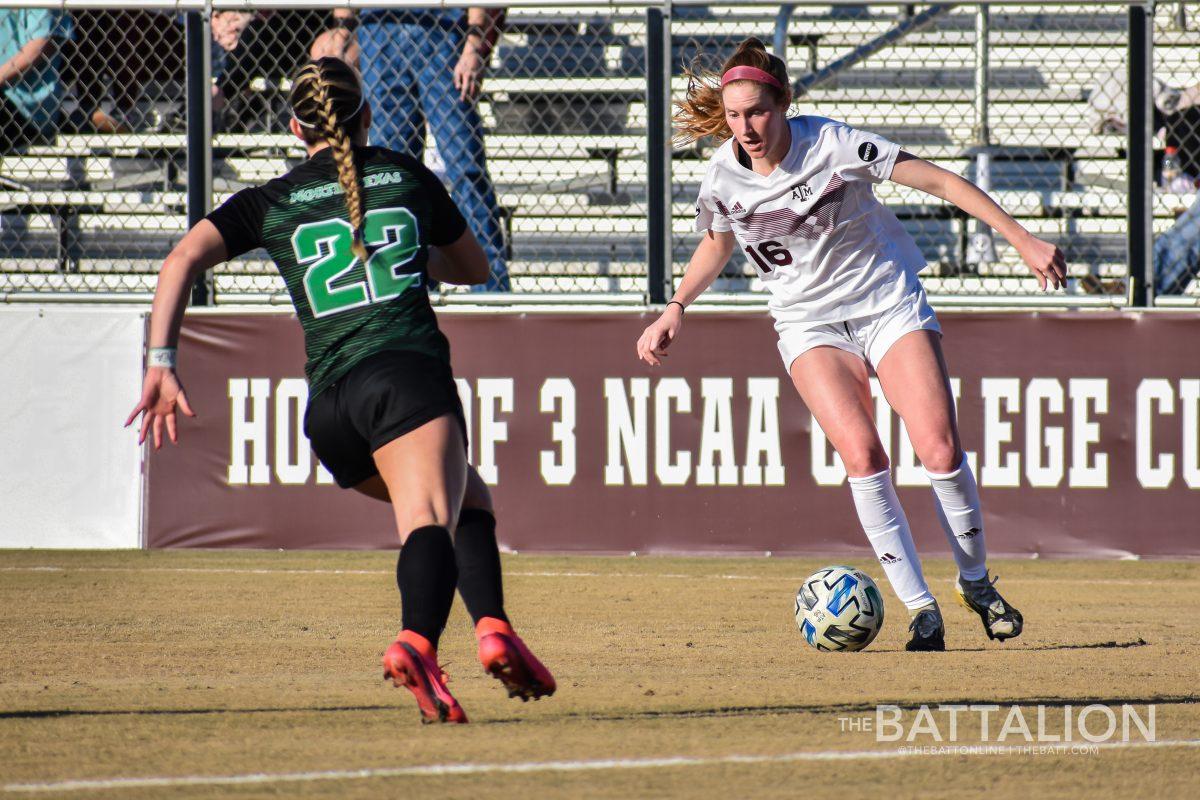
350 310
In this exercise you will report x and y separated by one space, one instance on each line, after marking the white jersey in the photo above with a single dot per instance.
822 244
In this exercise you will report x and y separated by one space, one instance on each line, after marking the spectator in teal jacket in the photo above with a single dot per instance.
29 74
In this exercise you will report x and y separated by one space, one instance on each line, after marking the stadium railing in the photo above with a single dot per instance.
171 106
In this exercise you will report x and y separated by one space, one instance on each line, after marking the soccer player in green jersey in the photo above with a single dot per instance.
357 232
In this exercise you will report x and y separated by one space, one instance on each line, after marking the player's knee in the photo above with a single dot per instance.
940 455
864 458
477 495
415 514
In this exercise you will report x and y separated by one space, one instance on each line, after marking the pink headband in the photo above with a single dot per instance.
750 74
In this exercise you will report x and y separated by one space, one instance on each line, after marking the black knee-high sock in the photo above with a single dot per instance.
479 579
426 574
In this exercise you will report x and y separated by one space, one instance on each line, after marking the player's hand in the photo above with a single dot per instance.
1045 261
162 394
468 73
337 43
227 27
655 340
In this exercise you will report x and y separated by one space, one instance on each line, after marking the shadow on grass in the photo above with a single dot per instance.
718 711
649 714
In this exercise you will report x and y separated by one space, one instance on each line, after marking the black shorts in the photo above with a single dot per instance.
381 398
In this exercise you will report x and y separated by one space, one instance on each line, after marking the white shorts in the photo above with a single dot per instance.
868 337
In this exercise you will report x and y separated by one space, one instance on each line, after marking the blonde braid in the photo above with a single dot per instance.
343 157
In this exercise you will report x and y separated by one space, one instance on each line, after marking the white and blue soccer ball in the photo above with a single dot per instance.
839 608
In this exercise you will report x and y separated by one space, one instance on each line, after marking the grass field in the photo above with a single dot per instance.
677 678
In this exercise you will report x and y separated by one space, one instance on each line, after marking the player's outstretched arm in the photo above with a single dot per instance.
1044 259
463 262
707 262
201 249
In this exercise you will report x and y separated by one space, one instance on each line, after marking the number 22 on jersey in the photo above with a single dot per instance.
325 247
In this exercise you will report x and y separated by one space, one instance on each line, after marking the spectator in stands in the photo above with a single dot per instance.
29 74
1177 253
269 45
108 57
227 27
1177 250
1176 113
1177 117
427 64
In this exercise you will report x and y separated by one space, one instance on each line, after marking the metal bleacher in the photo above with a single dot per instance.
565 109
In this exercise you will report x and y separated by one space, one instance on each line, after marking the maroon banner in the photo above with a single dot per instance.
1082 428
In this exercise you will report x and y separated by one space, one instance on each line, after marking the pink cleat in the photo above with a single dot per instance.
506 658
411 662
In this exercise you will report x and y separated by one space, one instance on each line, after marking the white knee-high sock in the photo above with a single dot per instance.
961 516
886 527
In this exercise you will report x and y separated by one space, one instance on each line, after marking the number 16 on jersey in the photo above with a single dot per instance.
768 255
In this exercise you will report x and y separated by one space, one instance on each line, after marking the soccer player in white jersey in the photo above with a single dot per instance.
795 196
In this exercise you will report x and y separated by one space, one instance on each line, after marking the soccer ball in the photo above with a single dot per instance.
839 608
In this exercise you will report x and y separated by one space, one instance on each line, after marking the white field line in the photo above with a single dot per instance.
547 574
440 770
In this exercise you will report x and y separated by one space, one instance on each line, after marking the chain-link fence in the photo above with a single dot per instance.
552 161
548 164
998 93
91 177
1176 166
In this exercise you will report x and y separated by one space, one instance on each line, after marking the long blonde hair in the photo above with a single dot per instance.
702 113
327 100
